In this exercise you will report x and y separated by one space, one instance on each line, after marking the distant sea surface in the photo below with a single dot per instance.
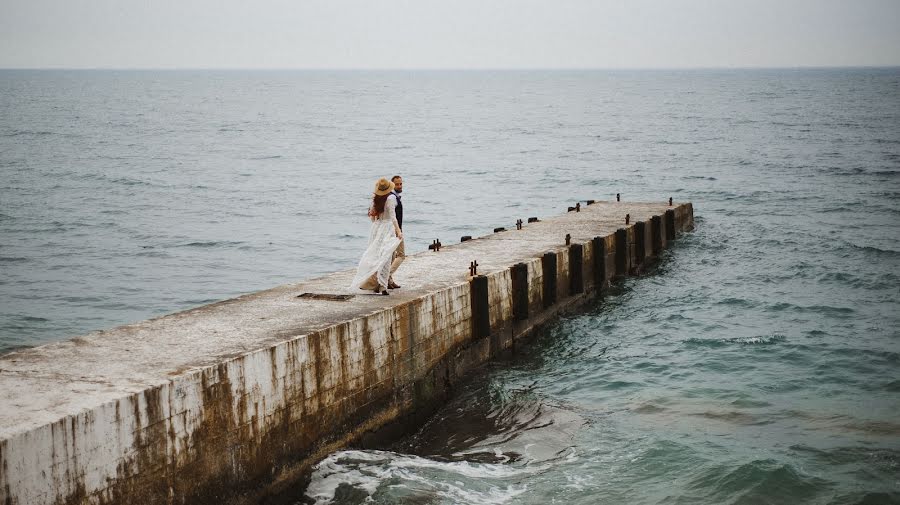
758 363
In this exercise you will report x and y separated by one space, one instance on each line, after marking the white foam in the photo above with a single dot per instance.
369 470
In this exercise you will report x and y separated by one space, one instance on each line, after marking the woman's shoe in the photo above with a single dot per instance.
385 292
393 285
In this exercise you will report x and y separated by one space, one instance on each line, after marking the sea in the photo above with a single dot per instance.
757 362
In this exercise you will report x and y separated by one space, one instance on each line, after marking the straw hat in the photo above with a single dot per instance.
383 187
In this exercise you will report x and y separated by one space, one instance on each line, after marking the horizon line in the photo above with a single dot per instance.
453 69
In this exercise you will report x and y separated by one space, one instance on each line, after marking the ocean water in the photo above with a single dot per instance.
759 362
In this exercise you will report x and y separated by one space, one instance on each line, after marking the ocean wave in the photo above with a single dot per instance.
737 302
408 478
826 310
721 342
759 481
211 243
872 250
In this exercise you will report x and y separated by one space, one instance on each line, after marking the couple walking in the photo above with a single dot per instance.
385 251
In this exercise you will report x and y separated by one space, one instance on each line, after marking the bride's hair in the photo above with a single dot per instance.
378 203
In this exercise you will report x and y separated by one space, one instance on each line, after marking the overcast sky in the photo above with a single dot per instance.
455 34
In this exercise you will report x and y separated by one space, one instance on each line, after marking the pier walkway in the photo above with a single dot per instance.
220 401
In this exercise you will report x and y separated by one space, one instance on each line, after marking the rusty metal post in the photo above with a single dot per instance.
576 269
519 274
481 316
670 201
627 218
568 238
670 225
621 252
577 206
548 264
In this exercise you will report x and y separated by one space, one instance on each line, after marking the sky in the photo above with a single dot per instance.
450 34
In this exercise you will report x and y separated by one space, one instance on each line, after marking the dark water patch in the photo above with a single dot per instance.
13 259
198 302
732 417
649 408
880 428
151 253
35 133
843 278
892 386
759 481
211 244
885 457
825 310
737 302
82 300
875 356
871 498
749 403
32 319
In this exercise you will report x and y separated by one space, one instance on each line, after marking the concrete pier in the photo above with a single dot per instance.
229 401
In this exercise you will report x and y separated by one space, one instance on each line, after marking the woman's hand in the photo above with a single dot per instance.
399 234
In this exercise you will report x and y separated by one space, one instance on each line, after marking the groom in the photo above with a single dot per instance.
400 252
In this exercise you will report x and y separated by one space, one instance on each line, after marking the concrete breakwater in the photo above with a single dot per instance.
221 401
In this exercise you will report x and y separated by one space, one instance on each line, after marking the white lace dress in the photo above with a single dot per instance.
375 265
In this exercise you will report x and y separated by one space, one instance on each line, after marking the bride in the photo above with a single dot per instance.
385 235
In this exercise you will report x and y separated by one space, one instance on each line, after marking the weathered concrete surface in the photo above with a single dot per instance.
217 401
